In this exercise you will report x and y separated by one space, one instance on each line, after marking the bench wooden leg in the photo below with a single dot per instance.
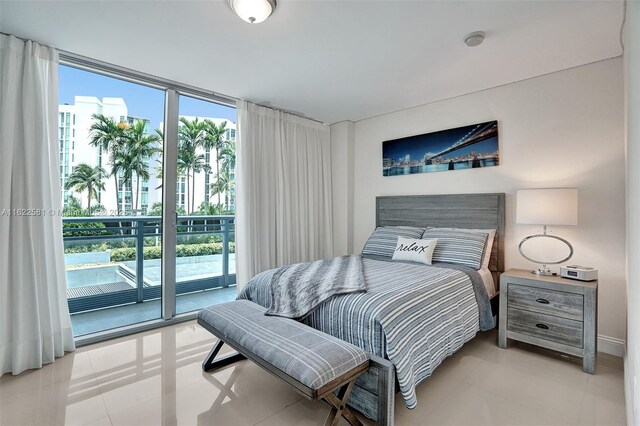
339 406
211 363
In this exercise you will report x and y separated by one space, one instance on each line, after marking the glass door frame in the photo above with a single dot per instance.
172 90
169 213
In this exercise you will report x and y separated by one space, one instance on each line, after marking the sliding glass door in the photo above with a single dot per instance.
109 152
205 203
147 176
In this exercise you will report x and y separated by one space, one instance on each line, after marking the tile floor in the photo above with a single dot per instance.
154 378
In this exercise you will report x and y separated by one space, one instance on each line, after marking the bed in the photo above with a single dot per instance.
412 316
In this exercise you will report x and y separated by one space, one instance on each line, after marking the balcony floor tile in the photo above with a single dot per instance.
105 319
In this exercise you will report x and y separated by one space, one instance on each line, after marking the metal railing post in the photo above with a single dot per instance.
80 231
140 260
225 251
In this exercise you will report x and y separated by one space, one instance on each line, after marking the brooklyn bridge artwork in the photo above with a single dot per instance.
467 147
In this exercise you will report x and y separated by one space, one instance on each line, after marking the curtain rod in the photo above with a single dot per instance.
84 62
299 115
117 71
90 64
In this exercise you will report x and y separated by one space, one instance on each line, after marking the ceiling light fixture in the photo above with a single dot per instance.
475 38
253 11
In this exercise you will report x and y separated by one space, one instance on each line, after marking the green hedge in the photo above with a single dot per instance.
183 250
83 225
84 246
128 241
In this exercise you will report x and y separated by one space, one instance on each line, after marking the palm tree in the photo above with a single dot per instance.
215 139
84 177
142 146
72 207
208 209
160 159
141 169
122 160
183 167
191 135
156 209
198 165
223 184
228 157
190 163
108 135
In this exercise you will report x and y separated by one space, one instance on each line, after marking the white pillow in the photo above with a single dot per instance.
414 250
489 247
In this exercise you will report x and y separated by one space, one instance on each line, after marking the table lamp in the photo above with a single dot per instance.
546 207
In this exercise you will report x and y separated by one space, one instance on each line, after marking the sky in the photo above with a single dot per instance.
142 101
417 146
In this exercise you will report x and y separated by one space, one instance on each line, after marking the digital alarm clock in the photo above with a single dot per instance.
577 272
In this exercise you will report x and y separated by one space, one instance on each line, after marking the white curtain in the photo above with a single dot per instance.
283 187
35 326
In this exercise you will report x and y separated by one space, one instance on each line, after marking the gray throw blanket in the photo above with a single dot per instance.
298 289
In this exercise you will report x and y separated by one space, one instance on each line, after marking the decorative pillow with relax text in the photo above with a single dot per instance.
414 250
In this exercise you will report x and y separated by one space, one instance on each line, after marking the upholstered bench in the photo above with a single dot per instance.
314 363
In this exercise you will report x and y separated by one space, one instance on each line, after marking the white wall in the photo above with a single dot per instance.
342 139
560 130
632 83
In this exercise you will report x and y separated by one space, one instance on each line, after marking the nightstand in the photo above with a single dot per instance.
549 311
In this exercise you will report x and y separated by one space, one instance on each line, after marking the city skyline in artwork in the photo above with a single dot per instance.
473 146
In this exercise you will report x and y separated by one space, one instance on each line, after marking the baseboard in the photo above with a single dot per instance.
611 345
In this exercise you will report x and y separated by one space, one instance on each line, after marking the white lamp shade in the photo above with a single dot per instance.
553 206
253 11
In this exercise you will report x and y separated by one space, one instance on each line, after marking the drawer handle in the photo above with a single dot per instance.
543 301
542 326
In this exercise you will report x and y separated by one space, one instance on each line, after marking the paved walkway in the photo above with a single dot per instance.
105 319
187 268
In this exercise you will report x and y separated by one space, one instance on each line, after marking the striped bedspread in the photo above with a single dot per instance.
414 315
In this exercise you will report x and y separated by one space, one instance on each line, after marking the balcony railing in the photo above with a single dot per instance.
116 260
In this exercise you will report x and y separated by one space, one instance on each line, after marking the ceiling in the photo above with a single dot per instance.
329 60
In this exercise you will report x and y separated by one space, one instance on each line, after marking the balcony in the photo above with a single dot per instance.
113 267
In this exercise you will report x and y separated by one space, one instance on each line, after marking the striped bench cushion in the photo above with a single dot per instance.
383 240
458 246
311 357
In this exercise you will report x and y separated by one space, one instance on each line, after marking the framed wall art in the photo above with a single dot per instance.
467 147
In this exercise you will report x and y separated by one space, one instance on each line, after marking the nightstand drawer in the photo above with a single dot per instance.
547 327
557 303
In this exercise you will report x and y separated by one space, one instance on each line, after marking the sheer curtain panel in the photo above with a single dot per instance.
283 187
35 326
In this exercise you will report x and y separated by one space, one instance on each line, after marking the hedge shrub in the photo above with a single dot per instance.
83 225
128 241
183 250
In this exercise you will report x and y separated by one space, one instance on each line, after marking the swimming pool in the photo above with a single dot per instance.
94 275
187 269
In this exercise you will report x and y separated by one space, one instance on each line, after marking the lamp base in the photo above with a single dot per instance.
544 271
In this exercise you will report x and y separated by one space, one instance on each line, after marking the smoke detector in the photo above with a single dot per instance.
475 38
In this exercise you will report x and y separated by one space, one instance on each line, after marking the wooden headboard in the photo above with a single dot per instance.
479 211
